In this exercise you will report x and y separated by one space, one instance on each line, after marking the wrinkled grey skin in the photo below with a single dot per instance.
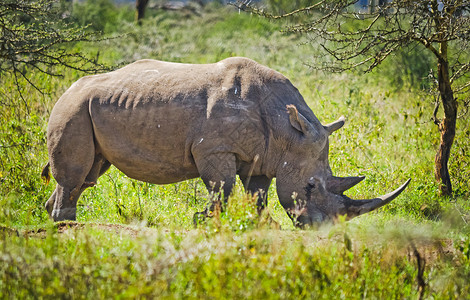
164 122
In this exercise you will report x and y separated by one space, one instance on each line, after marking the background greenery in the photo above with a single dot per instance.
136 239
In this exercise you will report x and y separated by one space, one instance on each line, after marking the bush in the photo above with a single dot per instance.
101 15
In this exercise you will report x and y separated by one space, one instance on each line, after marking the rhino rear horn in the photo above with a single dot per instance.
335 125
338 185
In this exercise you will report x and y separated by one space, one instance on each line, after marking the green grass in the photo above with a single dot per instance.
343 261
135 239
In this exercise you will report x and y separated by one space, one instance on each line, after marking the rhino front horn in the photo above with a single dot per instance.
359 207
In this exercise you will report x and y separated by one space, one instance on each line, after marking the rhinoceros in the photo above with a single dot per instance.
163 122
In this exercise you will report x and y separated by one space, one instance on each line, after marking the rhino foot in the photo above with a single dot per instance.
64 214
200 217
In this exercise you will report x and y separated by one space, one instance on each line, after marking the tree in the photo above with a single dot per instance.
34 35
36 39
140 6
441 26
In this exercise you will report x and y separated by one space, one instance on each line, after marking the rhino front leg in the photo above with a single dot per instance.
258 185
218 172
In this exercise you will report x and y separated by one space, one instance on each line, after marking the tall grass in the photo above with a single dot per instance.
343 261
388 137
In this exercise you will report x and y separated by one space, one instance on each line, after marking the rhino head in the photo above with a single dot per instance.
305 185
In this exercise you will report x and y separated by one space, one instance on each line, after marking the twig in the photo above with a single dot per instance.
421 264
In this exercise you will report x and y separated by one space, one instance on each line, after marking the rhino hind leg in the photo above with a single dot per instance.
66 195
258 185
99 167
218 172
50 203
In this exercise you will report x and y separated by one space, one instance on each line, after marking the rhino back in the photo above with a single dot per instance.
150 118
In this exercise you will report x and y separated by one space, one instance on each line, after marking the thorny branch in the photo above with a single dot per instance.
362 40
34 35
383 31
421 264
391 26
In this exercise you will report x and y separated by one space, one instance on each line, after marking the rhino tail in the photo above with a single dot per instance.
45 174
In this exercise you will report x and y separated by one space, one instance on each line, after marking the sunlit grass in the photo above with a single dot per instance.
351 260
134 239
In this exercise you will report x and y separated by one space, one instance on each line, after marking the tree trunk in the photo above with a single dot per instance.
140 7
372 6
447 125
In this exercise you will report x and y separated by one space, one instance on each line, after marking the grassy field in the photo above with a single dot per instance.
135 239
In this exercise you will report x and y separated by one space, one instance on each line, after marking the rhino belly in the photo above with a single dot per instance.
146 143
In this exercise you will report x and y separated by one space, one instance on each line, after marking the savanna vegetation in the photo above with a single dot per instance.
384 27
134 239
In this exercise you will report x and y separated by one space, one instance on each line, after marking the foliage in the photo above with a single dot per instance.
380 120
32 38
135 239
363 40
71 260
100 16
284 6
409 67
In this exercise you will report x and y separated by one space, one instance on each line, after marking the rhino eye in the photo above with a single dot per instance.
308 190
311 183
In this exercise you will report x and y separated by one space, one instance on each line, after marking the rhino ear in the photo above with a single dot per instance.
296 119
